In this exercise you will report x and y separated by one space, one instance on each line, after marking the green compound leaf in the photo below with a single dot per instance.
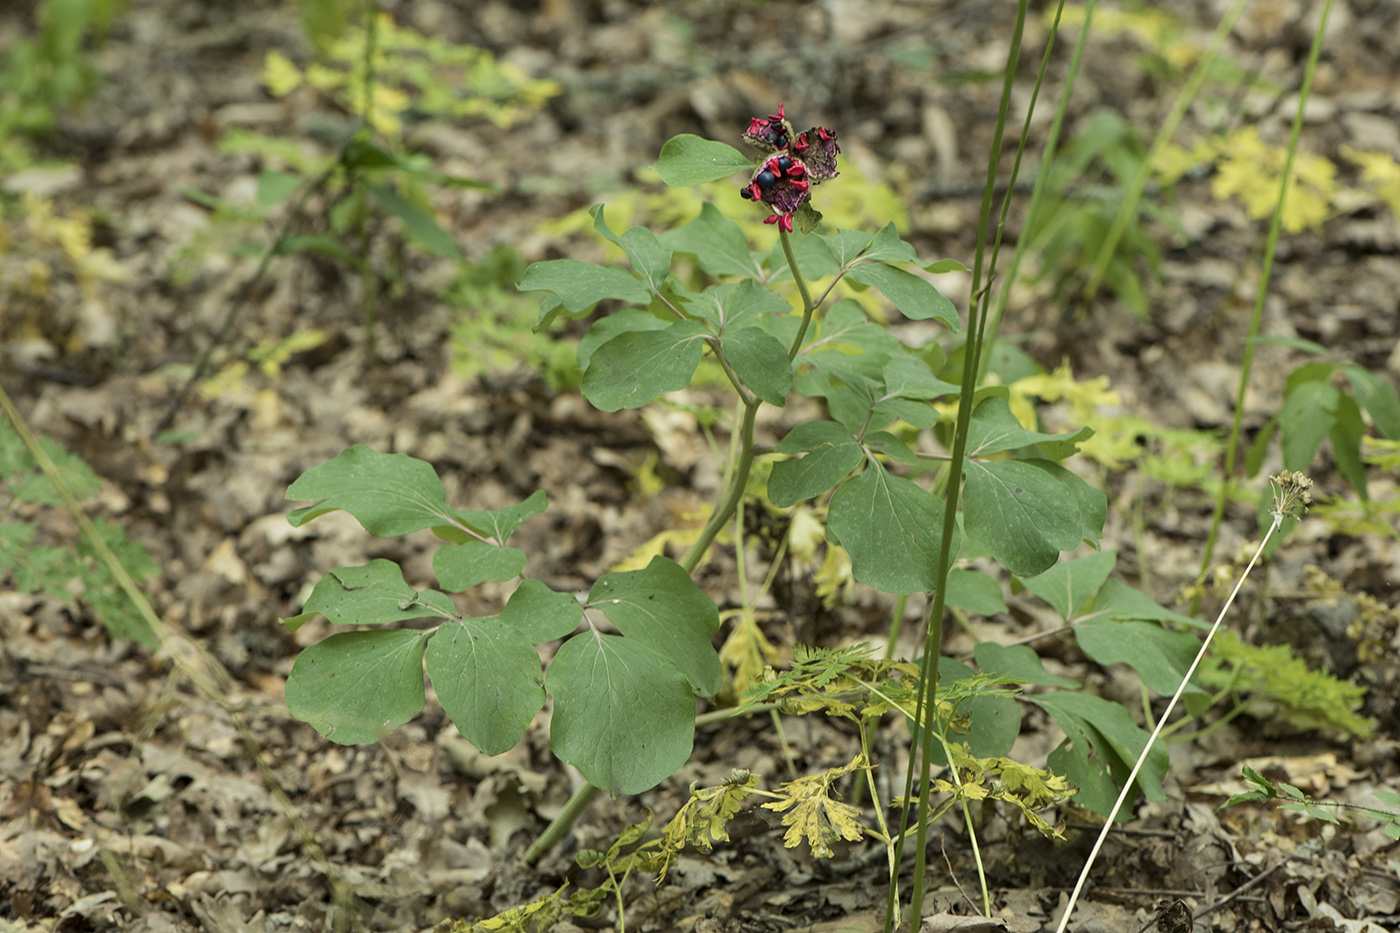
886 246
645 254
915 298
736 303
1160 657
715 241
892 528
463 566
1101 744
1020 662
374 594
487 677
580 285
662 610
975 592
690 160
496 524
1117 600
624 720
1070 584
621 321
539 613
760 362
1021 514
993 429
357 687
831 454
389 494
633 368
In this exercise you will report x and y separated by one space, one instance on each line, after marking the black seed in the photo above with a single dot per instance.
745 193
784 163
765 179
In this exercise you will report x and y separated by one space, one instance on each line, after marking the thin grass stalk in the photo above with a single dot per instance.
1046 160
933 631
1127 211
1260 293
1283 506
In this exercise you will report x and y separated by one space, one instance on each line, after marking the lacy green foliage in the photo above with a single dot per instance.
1276 683
494 331
414 74
1084 192
1291 798
1249 170
69 572
43 75
811 813
1025 789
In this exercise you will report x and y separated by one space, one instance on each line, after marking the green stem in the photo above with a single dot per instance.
1257 318
807 306
559 827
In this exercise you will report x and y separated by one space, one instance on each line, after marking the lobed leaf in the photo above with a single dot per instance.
389 494
691 160
487 677
892 528
356 687
374 594
633 368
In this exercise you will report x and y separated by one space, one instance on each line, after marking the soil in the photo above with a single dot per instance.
145 794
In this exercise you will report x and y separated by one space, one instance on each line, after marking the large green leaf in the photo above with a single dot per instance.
389 494
661 609
1071 583
891 527
1117 600
626 721
715 241
460 567
581 285
621 321
645 254
974 591
633 368
760 362
487 677
735 303
993 429
1021 514
1101 744
357 687
915 298
1020 662
1307 416
831 453
693 160
496 524
886 246
370 595
539 613
1160 657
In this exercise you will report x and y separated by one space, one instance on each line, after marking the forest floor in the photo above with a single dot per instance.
128 795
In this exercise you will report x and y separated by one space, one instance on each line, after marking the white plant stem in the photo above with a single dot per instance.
1161 722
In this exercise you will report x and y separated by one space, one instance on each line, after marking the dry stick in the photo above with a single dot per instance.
193 660
201 368
1290 489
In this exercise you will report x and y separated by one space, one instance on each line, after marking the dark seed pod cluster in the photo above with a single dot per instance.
796 162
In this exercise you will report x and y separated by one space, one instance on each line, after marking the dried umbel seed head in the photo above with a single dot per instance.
796 162
1292 493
